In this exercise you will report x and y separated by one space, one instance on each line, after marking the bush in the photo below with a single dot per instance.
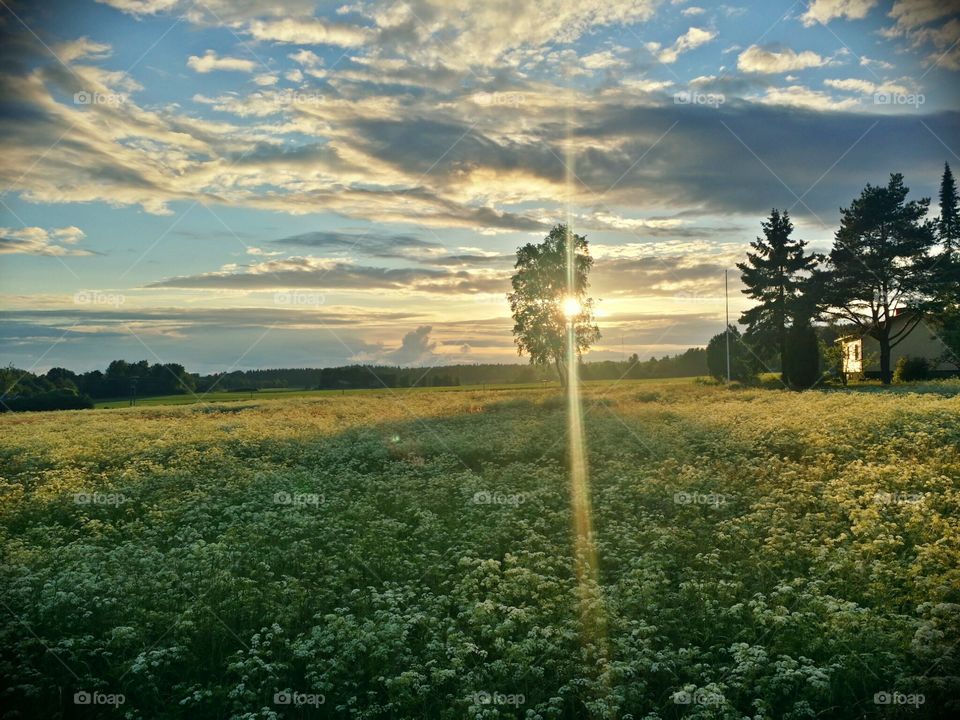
911 369
62 399
742 363
801 365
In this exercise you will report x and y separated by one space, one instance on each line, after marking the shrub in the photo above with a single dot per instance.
911 369
742 363
61 399
801 365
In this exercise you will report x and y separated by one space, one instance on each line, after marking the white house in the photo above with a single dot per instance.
861 353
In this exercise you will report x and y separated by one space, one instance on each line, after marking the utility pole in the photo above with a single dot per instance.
726 327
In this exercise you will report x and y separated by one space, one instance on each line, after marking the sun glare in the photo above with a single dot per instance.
571 307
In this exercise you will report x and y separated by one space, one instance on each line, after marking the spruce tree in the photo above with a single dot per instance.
948 225
773 275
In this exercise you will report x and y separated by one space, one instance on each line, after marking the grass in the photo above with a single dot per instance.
409 554
283 393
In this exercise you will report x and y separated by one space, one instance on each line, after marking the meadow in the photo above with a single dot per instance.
409 554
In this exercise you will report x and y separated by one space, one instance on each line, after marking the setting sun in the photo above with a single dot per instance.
571 307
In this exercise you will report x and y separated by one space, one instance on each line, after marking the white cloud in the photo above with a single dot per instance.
823 11
602 60
38 241
211 61
756 59
693 10
865 87
879 64
692 38
141 7
307 58
803 97
308 31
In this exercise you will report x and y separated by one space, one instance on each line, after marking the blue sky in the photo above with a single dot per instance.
264 184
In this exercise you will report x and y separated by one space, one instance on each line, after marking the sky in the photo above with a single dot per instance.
233 184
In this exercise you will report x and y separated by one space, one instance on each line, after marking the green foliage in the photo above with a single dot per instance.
802 368
912 369
773 276
880 262
948 224
540 285
743 364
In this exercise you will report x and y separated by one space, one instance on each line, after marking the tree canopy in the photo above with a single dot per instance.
545 289
880 264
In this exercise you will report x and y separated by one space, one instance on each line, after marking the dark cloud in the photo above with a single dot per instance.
374 244
309 273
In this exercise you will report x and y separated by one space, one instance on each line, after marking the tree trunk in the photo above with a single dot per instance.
885 374
560 371
783 354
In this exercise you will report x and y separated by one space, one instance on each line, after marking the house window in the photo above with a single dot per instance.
856 351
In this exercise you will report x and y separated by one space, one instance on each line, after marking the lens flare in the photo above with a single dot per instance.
571 307
593 626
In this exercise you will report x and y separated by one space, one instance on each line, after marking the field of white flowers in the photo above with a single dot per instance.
762 554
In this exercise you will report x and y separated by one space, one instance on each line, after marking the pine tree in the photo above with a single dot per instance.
880 264
773 275
948 225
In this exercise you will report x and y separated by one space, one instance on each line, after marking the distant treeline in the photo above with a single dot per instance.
62 389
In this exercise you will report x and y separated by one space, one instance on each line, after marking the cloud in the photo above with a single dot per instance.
865 87
310 273
415 348
211 61
803 97
308 31
374 244
602 60
39 241
693 38
756 59
931 25
692 11
823 11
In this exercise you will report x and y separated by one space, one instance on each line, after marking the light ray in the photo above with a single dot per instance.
592 615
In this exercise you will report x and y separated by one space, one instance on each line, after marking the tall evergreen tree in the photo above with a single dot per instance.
880 264
773 275
948 224
947 320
